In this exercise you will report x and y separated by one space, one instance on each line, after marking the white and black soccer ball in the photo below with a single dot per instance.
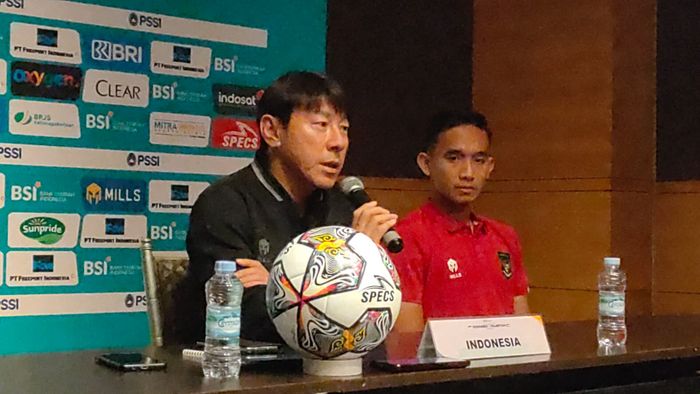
333 293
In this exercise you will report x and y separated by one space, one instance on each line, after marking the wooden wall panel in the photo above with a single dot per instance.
563 305
564 235
677 236
543 76
631 236
676 303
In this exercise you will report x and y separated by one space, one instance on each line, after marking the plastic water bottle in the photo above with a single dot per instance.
611 304
222 355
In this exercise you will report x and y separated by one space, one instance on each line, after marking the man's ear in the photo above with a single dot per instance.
270 130
491 164
423 160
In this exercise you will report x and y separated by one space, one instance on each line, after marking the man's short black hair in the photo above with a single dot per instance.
303 90
445 120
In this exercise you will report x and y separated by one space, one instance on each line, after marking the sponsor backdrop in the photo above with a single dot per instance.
114 116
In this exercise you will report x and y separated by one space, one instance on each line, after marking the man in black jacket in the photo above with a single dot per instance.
289 188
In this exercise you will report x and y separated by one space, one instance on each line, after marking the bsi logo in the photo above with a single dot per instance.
164 233
99 122
141 20
225 65
19 4
164 92
9 152
23 193
96 268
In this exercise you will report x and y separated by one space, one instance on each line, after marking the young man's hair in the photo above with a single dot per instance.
445 120
299 90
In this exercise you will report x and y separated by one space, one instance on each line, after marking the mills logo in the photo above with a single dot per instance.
45 81
236 100
45 230
114 195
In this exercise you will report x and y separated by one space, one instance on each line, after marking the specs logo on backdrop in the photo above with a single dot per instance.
180 60
173 196
113 87
107 51
45 80
44 230
179 130
114 195
141 20
45 119
236 100
239 134
132 160
19 4
45 43
10 152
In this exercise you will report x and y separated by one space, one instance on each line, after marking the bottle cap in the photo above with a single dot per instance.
225 266
615 261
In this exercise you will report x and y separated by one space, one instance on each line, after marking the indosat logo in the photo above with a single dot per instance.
236 100
45 230
45 80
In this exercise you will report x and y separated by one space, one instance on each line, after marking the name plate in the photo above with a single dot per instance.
484 337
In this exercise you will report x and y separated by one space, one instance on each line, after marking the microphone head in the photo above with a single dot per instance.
350 184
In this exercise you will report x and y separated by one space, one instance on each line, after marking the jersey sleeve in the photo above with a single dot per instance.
520 282
409 264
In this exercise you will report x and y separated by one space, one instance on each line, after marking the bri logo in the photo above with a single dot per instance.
107 51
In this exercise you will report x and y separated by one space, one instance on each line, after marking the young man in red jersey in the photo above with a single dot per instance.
455 262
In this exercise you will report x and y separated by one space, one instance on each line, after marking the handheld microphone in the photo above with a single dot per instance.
354 189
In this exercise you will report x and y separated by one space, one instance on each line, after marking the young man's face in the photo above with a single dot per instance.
459 164
315 144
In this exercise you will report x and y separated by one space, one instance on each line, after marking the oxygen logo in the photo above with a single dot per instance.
45 230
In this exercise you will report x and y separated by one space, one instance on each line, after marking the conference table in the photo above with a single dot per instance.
662 355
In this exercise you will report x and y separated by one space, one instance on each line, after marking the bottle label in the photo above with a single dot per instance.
611 304
223 323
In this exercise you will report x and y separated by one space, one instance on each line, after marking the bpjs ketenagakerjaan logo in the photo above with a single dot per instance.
45 80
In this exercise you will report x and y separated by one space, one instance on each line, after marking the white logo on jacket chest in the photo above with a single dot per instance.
453 267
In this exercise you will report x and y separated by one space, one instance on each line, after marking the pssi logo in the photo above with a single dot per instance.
12 3
10 152
133 159
136 19
131 300
9 304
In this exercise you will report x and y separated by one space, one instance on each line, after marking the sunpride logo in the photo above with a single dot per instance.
45 230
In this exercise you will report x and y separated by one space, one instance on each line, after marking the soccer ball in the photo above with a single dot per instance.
333 293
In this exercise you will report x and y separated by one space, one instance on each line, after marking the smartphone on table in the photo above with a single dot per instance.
130 362
419 364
